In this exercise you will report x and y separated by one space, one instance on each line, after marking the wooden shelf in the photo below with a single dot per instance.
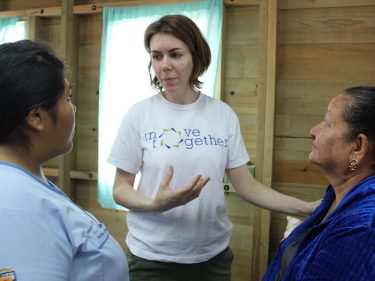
74 174
98 7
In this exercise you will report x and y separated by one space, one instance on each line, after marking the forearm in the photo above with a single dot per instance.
260 195
129 198
165 198
272 200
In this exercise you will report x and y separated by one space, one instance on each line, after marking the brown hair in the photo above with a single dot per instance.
187 31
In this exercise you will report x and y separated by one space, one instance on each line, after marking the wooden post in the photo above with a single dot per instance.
69 51
221 87
265 128
34 28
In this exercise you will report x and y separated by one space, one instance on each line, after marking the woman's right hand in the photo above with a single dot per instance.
168 198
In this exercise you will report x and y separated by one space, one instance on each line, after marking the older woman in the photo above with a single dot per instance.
338 241
44 236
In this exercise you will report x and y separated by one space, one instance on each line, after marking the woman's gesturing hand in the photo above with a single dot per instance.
168 198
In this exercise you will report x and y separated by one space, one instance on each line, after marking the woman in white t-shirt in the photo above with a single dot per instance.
182 142
44 235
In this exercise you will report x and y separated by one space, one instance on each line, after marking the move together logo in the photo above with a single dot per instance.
185 138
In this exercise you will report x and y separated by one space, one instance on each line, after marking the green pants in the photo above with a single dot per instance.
216 269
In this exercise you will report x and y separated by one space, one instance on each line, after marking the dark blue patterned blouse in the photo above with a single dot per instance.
342 248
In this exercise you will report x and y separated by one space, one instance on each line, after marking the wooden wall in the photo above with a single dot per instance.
240 83
322 47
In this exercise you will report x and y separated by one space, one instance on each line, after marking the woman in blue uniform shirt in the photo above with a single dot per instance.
44 236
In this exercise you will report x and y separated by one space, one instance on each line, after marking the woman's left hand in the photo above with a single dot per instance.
168 198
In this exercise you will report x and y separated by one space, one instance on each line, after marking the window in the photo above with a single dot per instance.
12 30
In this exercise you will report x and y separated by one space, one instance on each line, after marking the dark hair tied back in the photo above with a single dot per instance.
360 113
30 76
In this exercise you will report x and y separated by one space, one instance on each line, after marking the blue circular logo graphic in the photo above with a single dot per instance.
171 138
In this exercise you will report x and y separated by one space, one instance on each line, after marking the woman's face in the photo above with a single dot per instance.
63 130
330 149
172 63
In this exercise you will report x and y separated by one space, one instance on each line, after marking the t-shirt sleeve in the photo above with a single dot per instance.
27 246
237 153
126 152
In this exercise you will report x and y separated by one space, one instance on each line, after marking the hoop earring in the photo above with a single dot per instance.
353 165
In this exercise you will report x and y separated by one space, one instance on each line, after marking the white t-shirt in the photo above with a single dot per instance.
46 237
199 138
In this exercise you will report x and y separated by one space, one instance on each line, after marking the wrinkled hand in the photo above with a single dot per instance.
167 198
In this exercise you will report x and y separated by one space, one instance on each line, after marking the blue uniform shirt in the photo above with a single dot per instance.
44 236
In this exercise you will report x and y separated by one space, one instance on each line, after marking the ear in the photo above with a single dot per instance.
35 119
361 148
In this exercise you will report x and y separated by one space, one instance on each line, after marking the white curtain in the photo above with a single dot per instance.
11 30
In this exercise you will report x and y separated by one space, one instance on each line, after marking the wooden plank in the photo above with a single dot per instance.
327 25
242 62
41 12
241 92
34 28
64 180
51 172
74 174
296 126
291 155
241 2
308 192
241 68
223 56
327 62
300 97
243 85
50 32
27 4
241 215
87 155
265 127
98 7
297 172
241 271
293 148
87 191
69 50
307 4
88 99
269 131
270 87
248 128
243 26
